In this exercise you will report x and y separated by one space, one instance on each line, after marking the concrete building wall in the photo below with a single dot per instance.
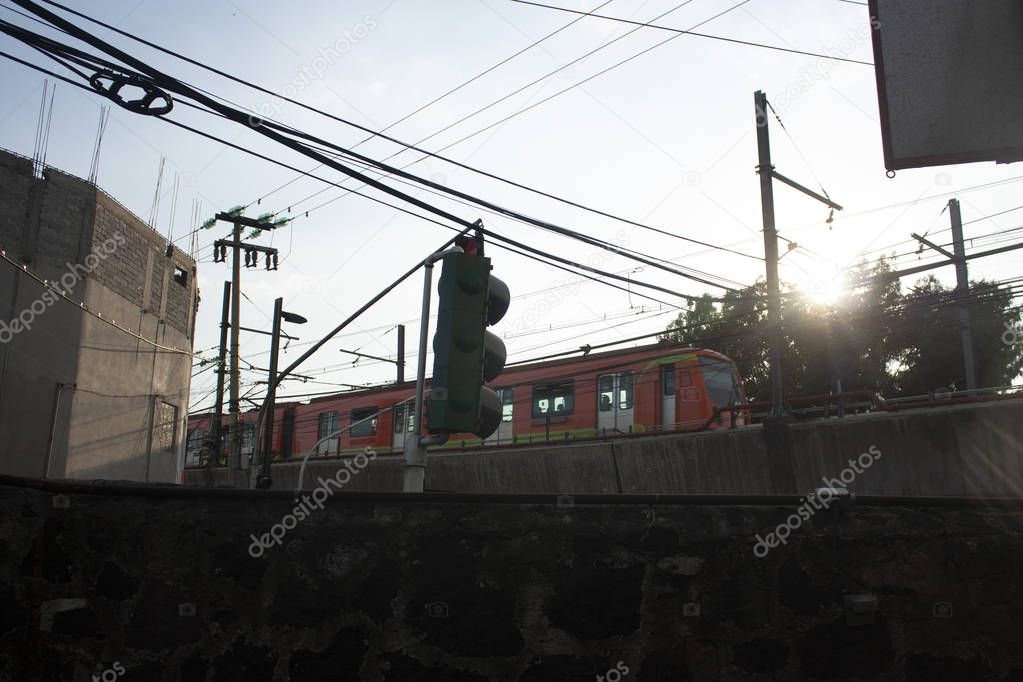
80 398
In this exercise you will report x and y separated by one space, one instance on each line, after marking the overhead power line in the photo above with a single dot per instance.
414 147
284 135
690 32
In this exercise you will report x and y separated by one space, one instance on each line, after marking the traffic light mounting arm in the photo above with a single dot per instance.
415 447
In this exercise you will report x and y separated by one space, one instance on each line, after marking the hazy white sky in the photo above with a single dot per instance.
667 139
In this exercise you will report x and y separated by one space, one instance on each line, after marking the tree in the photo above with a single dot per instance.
931 342
873 337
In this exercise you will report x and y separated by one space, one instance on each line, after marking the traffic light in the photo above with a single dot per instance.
465 354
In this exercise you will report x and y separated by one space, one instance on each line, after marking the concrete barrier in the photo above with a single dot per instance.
973 450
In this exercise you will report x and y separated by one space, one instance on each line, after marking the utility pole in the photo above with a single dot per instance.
401 354
767 174
252 251
958 257
765 170
234 463
216 427
268 423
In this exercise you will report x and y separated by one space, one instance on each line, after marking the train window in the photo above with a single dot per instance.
625 391
507 404
721 382
605 392
248 430
195 441
327 426
403 417
557 399
668 379
399 417
364 421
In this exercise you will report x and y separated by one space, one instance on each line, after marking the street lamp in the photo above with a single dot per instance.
263 480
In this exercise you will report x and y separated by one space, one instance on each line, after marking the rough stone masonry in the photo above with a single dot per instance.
383 586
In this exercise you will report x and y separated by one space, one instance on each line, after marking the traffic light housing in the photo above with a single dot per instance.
465 354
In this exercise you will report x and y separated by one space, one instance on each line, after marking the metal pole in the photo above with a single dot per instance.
217 427
234 453
415 452
962 294
401 353
264 480
765 169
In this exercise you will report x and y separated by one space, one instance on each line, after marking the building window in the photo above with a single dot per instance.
625 391
165 426
364 421
180 276
556 399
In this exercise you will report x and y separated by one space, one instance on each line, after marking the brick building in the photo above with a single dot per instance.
96 333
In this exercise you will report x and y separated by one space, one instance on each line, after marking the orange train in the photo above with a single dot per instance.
658 387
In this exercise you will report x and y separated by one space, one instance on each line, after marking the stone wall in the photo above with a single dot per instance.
387 587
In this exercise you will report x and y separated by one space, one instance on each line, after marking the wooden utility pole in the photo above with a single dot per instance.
235 464
766 171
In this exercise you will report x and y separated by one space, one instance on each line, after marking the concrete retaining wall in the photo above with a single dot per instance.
974 450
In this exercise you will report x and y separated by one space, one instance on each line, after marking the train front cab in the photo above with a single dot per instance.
699 391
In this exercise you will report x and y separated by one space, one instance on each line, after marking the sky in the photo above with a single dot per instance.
666 139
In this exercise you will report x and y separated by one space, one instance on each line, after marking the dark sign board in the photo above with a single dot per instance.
949 80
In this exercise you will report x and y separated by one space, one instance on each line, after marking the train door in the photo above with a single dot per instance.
614 402
668 420
504 431
403 413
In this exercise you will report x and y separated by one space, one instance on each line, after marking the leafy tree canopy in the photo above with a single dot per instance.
874 336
